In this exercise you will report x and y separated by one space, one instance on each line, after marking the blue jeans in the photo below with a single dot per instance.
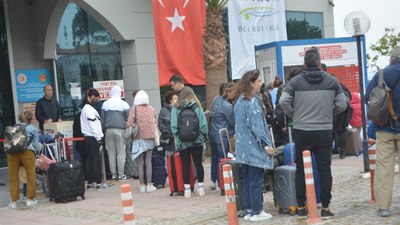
216 153
253 184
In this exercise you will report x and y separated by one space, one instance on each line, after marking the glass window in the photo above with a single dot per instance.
86 52
304 25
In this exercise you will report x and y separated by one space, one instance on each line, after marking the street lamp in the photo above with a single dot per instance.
357 24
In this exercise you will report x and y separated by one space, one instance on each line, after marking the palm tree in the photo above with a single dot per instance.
215 49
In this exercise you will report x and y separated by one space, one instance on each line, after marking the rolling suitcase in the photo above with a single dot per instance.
222 160
353 141
66 181
159 175
175 176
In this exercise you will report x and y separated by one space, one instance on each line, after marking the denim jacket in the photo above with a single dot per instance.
33 138
252 133
222 116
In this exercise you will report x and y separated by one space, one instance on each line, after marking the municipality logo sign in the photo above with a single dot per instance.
258 12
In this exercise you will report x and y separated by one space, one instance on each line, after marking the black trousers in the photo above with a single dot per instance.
319 142
93 161
197 154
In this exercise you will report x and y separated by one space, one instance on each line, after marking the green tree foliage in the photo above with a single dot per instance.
302 30
384 45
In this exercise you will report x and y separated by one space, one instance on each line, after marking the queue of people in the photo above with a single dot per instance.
312 101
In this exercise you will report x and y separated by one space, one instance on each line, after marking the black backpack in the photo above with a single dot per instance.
15 139
188 124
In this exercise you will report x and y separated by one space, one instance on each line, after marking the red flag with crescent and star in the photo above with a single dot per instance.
179 29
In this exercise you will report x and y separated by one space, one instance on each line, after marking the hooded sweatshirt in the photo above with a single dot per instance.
114 112
311 99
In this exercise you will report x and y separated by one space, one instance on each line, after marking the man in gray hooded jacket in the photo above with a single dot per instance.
311 99
114 114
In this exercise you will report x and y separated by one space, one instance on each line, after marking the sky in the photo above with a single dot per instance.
382 13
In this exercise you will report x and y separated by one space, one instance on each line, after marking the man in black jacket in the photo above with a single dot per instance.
47 108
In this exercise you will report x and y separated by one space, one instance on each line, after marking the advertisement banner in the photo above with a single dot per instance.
30 84
253 23
104 88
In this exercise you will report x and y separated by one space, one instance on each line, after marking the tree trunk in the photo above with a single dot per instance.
214 78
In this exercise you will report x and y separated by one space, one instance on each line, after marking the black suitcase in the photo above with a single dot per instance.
66 181
159 171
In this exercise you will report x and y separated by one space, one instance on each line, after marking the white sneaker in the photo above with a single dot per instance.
188 193
201 192
150 188
114 177
213 185
12 205
260 217
31 202
142 189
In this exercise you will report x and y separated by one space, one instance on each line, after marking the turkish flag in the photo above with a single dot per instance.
179 29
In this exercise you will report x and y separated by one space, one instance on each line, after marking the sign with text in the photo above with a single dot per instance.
104 88
31 106
30 84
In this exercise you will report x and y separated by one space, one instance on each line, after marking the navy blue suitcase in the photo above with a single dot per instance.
159 176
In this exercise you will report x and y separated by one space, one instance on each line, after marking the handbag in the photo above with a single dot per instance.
132 131
43 162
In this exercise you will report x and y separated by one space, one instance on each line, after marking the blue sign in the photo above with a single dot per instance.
30 84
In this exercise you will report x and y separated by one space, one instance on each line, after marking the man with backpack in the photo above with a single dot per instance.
387 132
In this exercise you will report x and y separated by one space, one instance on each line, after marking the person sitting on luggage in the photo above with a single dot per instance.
253 144
164 122
28 160
190 143
221 117
143 143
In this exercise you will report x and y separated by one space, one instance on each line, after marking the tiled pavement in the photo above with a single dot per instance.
349 202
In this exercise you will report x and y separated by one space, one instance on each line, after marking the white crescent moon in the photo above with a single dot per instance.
186 2
160 1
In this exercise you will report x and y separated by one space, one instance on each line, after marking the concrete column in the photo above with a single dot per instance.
139 69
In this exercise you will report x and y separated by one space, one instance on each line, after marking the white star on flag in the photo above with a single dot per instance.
176 21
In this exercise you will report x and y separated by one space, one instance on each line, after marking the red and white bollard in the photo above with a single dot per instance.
230 196
127 204
313 216
372 161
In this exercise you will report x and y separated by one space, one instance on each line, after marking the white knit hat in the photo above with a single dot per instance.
141 98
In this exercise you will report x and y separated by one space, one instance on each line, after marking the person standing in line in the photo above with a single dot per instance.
27 159
311 99
47 109
164 122
114 115
221 117
143 143
253 144
176 82
387 137
190 149
356 116
93 134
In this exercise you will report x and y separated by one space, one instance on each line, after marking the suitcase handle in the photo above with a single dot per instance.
221 132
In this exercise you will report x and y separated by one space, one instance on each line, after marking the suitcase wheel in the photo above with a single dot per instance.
278 209
172 193
82 197
222 193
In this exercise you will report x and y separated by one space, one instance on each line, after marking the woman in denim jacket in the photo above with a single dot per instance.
221 117
28 160
253 144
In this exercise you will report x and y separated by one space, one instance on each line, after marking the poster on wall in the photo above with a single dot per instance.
31 107
76 90
104 88
30 84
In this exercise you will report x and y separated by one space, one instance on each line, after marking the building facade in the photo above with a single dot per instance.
91 40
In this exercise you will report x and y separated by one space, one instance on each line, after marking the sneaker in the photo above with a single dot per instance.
114 177
103 186
213 185
247 215
12 205
143 189
150 188
302 213
31 202
260 217
201 192
123 178
342 155
188 193
381 212
92 187
326 214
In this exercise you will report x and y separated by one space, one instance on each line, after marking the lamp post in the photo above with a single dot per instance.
357 24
